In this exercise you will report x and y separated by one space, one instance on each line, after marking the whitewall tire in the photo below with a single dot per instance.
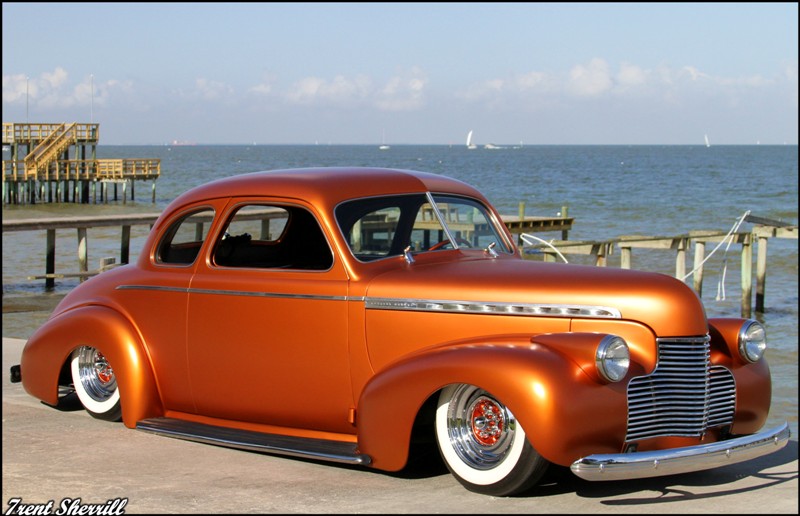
95 384
483 445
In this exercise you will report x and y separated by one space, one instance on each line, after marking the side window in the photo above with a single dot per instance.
379 227
183 240
272 237
372 235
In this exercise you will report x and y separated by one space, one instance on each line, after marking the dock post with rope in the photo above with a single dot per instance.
763 230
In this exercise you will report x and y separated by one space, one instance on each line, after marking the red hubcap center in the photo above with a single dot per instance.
104 372
487 422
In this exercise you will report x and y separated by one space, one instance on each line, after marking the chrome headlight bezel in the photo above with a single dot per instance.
752 341
613 358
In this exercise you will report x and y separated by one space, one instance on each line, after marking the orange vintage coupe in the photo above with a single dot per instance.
334 313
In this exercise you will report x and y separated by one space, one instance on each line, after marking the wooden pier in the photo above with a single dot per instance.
125 222
762 231
81 225
58 163
521 223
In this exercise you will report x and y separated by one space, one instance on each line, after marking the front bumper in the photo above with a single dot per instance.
621 466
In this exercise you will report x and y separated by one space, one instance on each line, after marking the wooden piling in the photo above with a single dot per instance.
600 250
41 160
680 244
699 256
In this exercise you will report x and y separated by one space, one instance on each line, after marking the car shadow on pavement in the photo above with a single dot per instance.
68 401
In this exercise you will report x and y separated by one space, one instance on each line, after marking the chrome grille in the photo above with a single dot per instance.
685 394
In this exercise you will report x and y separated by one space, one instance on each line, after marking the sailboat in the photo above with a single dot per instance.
383 145
470 145
707 144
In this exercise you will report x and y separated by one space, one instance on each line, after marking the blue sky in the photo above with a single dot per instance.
419 73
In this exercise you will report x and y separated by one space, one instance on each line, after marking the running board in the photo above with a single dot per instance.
307 448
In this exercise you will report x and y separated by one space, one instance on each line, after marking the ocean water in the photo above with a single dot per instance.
610 191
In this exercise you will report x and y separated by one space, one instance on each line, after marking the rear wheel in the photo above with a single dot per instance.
95 384
482 443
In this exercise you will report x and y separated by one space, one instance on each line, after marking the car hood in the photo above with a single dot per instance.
659 301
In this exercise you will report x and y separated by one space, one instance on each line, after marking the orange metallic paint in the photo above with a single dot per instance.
641 339
550 397
668 305
236 353
753 381
50 347
421 330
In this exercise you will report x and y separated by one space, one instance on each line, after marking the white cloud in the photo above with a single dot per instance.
590 80
693 73
55 79
630 76
263 88
15 88
403 93
499 91
211 90
398 93
597 84
340 91
532 80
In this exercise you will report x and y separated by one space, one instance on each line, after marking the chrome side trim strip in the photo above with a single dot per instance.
181 290
486 307
623 466
419 305
307 448
232 292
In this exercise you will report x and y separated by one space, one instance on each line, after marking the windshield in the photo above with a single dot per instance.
380 227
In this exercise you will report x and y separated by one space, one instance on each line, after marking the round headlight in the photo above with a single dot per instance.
613 358
752 341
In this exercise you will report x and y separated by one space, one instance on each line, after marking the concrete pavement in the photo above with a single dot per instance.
61 455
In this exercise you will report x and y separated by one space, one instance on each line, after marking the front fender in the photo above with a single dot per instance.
565 413
107 330
753 381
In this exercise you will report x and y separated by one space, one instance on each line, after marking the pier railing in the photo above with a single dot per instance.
38 132
81 225
599 250
87 170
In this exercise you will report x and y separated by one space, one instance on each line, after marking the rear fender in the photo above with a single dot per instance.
50 347
565 413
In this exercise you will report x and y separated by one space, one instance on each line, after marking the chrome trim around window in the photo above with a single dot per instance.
440 217
486 307
625 466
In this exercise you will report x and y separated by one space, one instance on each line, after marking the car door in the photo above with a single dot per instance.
155 296
267 322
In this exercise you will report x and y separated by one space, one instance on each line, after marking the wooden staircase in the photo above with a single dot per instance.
50 149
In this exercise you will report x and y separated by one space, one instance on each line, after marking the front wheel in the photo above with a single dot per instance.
95 384
483 445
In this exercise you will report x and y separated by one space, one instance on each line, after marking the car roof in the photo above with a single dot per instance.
327 186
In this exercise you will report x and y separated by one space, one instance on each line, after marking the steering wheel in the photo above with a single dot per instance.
440 245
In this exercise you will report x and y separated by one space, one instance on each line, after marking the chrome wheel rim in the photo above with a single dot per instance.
96 375
480 428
